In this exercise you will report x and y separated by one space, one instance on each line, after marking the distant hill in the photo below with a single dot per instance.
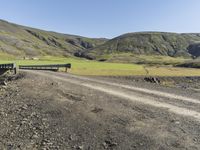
21 41
24 41
150 43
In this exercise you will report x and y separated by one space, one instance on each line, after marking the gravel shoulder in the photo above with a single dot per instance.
45 110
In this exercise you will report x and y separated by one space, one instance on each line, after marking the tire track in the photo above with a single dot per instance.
128 96
142 90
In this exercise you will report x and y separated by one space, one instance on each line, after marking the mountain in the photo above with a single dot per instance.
23 41
150 43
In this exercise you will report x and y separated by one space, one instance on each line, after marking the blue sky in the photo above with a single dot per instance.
104 18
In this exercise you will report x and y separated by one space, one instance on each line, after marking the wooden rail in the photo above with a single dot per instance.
53 67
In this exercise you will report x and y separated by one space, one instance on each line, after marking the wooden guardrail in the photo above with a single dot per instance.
52 67
10 66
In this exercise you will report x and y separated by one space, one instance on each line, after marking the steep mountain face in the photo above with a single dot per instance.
150 43
24 41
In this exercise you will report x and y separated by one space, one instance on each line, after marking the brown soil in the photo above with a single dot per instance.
46 110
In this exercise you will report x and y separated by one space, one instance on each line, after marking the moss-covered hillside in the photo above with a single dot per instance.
23 41
150 43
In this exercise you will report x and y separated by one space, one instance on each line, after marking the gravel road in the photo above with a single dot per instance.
49 110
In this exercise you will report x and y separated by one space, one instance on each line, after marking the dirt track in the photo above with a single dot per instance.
95 113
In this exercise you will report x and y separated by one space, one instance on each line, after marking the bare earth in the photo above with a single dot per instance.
49 110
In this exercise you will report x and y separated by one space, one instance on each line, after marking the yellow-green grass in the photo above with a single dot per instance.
85 67
143 59
6 57
172 71
157 59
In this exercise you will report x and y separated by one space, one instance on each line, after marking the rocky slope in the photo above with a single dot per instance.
150 43
24 41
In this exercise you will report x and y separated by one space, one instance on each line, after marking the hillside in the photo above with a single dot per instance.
20 41
23 41
149 43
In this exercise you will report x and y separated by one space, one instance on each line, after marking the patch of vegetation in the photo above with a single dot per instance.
148 43
172 71
86 67
191 64
24 41
143 59
5 56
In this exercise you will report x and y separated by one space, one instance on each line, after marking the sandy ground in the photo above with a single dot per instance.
48 110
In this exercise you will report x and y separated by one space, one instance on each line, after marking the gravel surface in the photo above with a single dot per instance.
47 110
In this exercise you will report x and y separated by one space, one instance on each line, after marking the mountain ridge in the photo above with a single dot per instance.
23 41
150 43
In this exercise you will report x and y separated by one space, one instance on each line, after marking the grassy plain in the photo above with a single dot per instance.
86 67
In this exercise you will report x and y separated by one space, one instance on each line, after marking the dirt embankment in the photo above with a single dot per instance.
43 110
185 83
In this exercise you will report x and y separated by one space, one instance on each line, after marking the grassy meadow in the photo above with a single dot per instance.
86 67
